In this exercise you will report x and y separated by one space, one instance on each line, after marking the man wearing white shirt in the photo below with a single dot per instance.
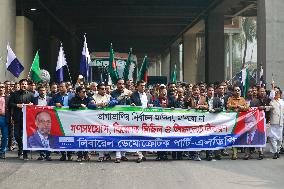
141 98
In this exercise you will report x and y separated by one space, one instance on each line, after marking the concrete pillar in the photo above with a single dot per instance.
215 66
194 54
174 59
7 34
270 45
24 43
165 64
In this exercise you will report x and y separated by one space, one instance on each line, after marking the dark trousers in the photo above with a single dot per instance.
177 155
11 135
162 154
69 153
81 154
44 153
19 137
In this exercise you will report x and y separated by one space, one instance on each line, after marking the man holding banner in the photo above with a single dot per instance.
140 98
17 101
102 100
237 104
62 99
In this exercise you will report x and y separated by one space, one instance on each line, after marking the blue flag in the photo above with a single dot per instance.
85 60
61 62
13 64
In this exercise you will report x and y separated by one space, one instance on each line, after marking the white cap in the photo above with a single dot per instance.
162 85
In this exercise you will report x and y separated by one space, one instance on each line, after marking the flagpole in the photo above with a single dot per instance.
69 73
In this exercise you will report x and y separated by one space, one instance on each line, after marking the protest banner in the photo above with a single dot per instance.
127 128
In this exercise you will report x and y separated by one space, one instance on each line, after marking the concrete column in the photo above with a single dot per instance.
7 34
270 45
215 66
158 65
165 64
24 43
194 54
174 59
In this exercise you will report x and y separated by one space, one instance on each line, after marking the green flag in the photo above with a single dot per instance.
143 73
127 66
35 69
174 75
112 66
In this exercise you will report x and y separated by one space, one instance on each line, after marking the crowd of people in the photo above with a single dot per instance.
215 97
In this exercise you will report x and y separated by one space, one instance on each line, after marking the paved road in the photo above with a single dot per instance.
239 174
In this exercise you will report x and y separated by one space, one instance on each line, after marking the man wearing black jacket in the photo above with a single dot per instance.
17 101
214 106
81 101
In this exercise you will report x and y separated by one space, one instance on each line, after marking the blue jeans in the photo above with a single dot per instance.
4 131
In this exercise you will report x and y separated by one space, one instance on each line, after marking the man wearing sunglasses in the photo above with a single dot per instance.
81 100
102 100
237 104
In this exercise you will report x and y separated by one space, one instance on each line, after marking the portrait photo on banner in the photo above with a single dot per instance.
251 128
42 127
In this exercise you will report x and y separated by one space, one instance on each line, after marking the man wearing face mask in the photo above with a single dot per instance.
17 101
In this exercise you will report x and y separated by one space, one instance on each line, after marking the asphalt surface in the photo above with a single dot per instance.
226 173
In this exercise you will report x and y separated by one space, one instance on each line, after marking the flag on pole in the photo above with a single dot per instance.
85 60
143 73
61 62
261 77
35 69
127 66
112 69
174 75
245 81
13 64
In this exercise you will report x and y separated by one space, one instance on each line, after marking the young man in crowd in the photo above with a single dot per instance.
101 100
141 98
197 102
236 103
214 106
53 90
43 100
81 100
122 95
17 101
62 99
4 115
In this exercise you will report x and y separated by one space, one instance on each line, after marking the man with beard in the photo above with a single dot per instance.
122 96
17 102
237 104
198 102
43 100
102 100
81 101
141 98
62 99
